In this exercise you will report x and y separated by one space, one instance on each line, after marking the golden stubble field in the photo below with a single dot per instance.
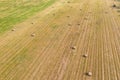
65 41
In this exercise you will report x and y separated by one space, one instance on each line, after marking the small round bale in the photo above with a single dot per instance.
69 24
68 2
53 14
85 55
106 12
114 5
68 16
73 47
13 30
89 73
32 35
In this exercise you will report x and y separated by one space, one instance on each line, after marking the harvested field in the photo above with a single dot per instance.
59 40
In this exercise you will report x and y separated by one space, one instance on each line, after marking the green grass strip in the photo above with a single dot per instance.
20 14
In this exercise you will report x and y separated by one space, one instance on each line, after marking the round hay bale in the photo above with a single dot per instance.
106 12
13 30
68 16
85 55
73 47
32 35
68 2
89 73
69 24
53 14
114 5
